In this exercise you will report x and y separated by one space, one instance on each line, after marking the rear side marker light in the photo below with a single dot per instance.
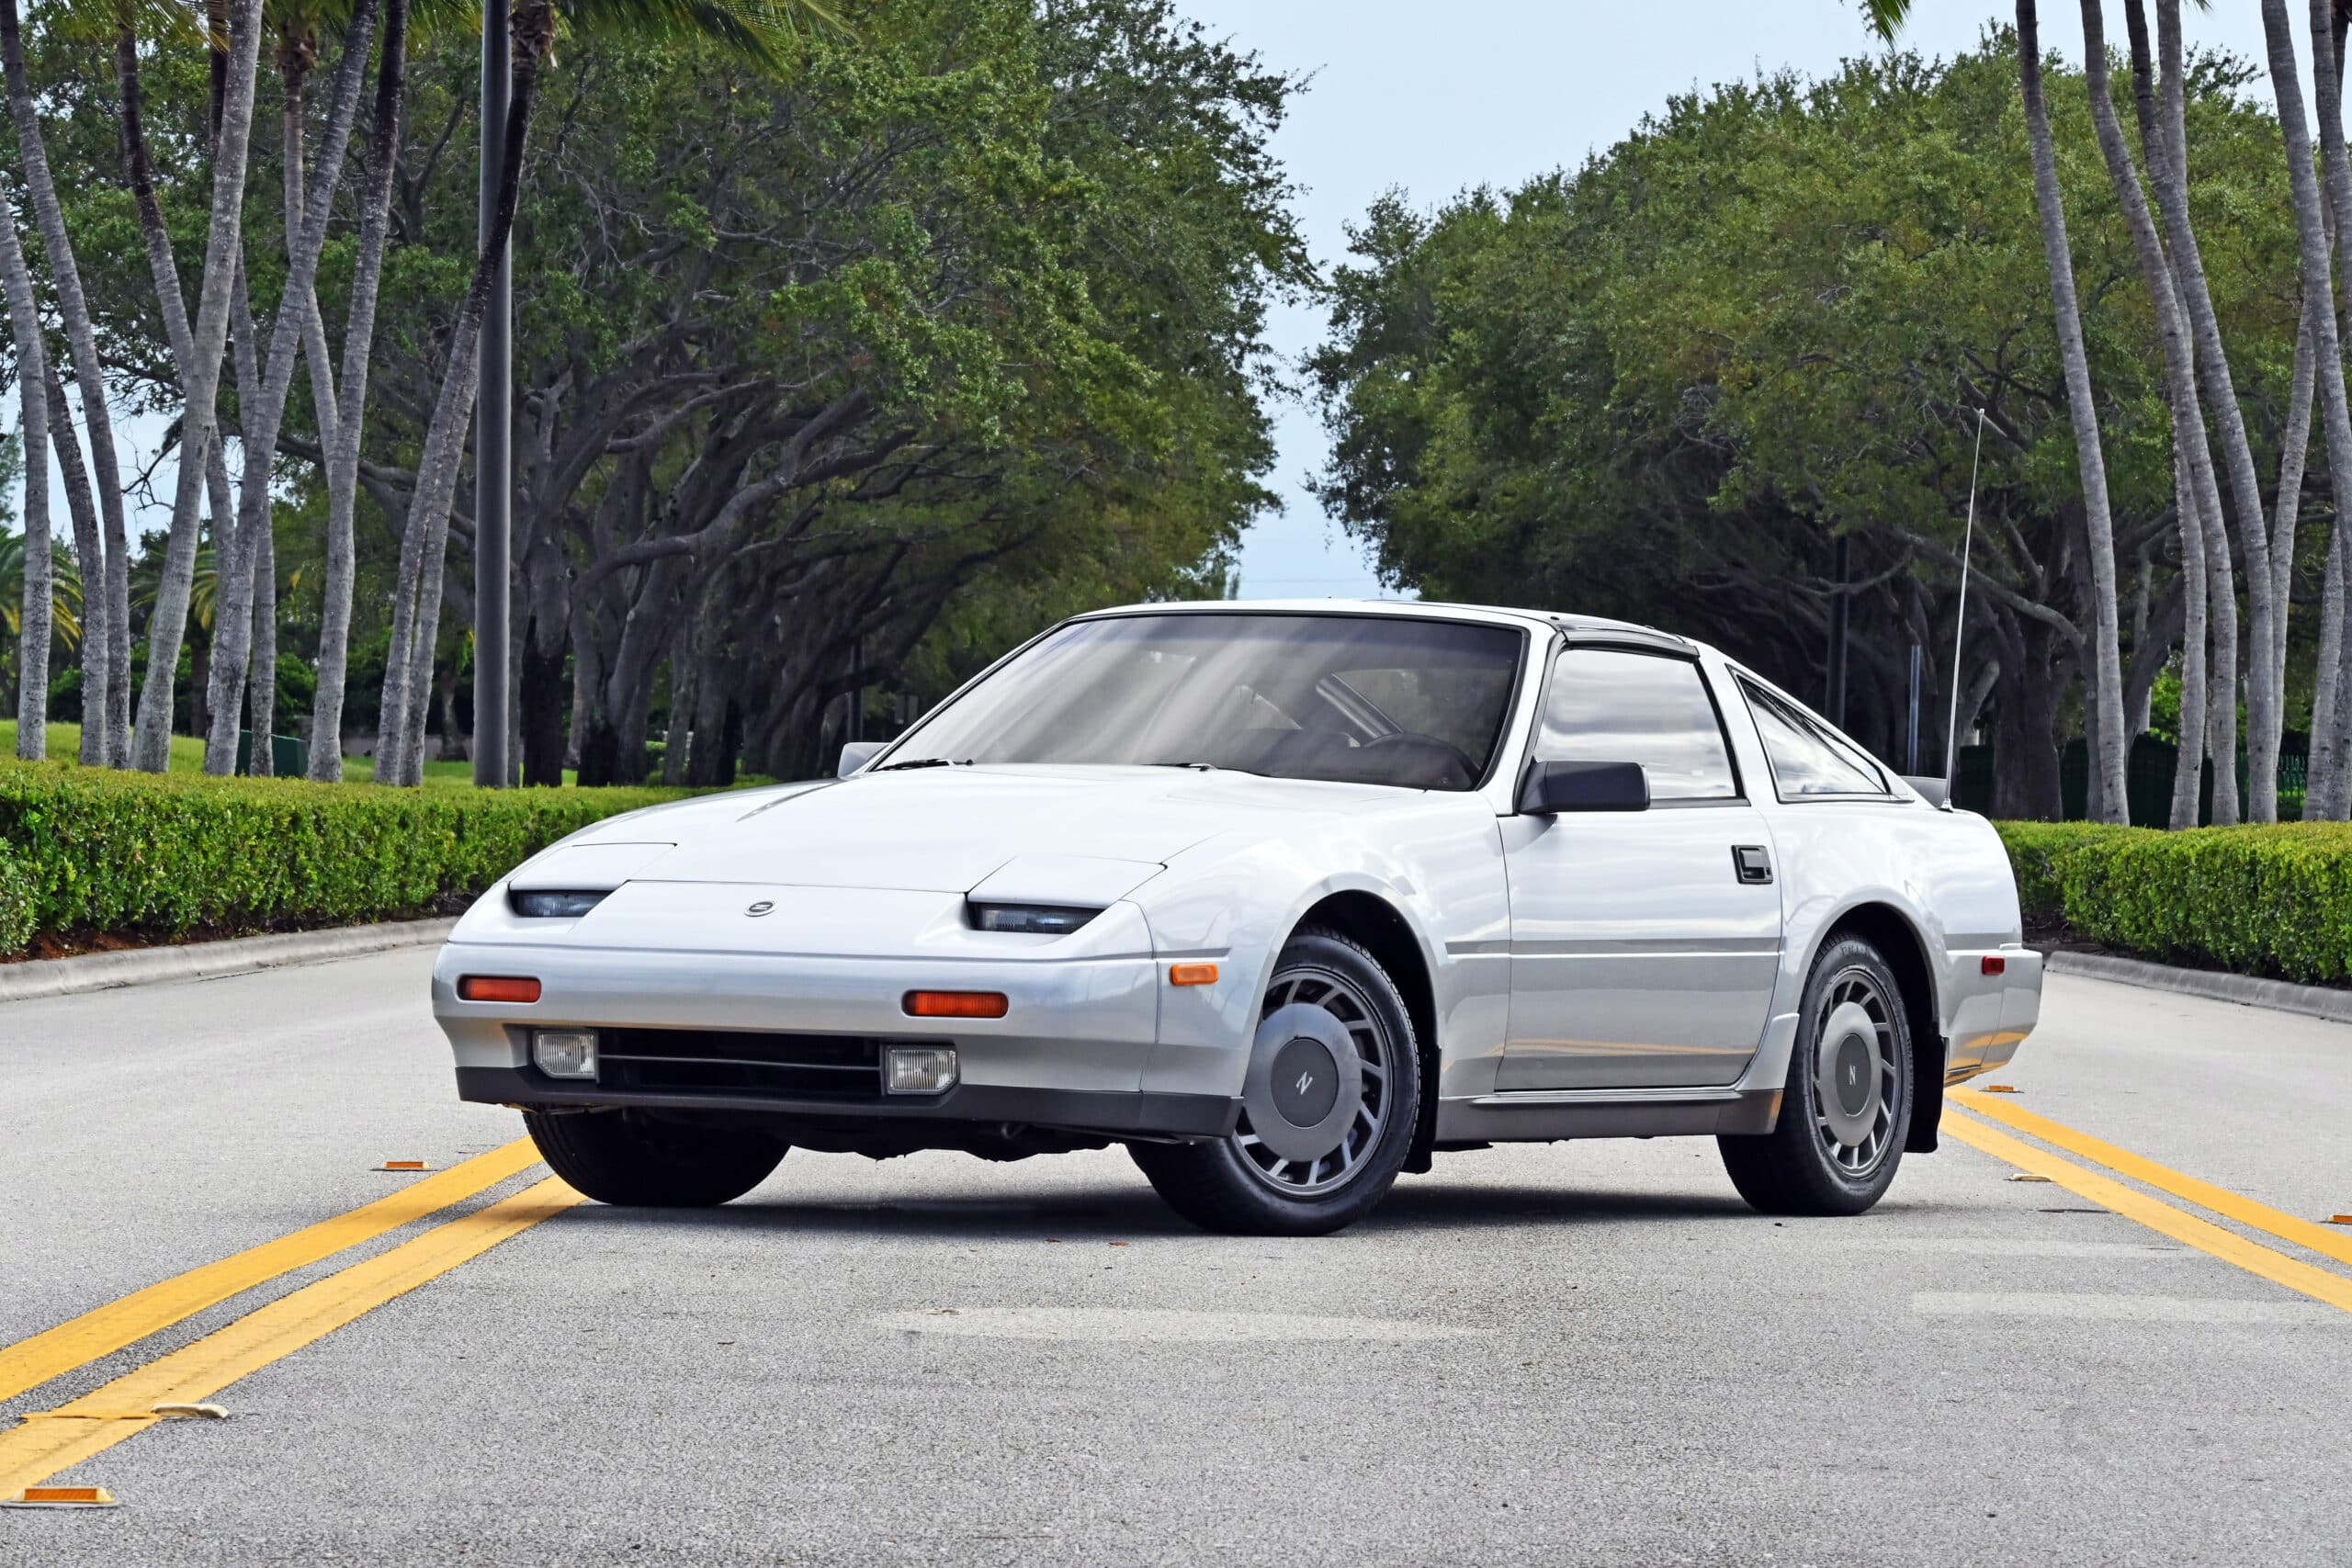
955 1004
497 989
1192 974
1995 965
564 1053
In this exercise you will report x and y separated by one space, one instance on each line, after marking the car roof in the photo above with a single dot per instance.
1595 628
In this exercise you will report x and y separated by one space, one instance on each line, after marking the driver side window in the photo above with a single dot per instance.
1609 706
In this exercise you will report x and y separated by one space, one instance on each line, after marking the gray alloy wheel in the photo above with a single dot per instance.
1318 1094
1328 1107
1846 1104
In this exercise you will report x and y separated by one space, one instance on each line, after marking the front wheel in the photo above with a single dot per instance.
1847 1106
1328 1106
630 1159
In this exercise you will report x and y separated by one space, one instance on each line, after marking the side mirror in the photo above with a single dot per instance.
856 755
1553 787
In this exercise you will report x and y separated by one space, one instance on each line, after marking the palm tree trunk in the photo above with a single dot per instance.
2168 170
343 454
32 393
81 339
168 622
2312 225
95 663
2188 765
2294 451
233 636
2107 667
416 600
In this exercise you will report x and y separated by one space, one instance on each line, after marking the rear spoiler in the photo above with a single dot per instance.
1935 792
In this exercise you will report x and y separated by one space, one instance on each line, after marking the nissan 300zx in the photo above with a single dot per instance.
1285 898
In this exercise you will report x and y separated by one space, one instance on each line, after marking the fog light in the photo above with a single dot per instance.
565 1052
918 1070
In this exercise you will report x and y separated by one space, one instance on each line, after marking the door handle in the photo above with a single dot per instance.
1752 863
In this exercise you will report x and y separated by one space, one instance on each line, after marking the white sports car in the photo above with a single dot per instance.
1287 898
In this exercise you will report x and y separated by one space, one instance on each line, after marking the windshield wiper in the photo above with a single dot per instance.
915 762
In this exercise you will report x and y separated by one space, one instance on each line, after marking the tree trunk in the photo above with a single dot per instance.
89 375
232 640
540 705
32 394
2197 498
343 454
416 599
2195 596
200 386
2326 783
96 661
2106 664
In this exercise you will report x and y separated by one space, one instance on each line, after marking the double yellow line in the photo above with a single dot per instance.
52 1440
2101 1187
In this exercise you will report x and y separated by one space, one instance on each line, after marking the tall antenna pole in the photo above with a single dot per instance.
494 427
1960 622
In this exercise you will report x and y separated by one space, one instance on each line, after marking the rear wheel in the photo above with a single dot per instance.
1847 1107
627 1158
1333 1090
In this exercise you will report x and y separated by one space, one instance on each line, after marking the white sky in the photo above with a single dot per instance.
1436 99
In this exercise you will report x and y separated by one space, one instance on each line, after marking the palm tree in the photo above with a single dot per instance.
342 435
113 656
32 554
2327 762
756 29
260 420
2106 739
2199 501
200 375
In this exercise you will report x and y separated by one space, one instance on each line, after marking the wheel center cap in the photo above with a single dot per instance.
1306 1082
1857 1075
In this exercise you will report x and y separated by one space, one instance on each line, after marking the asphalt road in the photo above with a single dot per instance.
1576 1353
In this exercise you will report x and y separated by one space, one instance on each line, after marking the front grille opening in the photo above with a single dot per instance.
726 1061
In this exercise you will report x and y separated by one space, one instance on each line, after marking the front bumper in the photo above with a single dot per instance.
1078 1048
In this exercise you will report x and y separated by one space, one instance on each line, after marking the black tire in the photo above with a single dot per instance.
1235 1184
1806 1165
630 1160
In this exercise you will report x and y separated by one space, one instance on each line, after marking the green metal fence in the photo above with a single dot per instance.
2147 781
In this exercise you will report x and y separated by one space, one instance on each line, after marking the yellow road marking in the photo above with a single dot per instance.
2154 1212
102 1331
2163 1178
36 1450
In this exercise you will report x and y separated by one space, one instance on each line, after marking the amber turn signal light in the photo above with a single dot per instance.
1192 974
955 1004
497 989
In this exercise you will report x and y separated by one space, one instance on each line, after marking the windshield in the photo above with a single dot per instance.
1359 699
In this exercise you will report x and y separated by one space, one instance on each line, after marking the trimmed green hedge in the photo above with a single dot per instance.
2269 900
93 849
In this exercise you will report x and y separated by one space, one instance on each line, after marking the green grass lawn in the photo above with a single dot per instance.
187 757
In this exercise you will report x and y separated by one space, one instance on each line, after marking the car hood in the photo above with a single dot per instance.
948 829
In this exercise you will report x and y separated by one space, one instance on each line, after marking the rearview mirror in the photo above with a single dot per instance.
1584 786
856 755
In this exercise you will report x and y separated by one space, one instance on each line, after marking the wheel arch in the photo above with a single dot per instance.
1382 930
1899 941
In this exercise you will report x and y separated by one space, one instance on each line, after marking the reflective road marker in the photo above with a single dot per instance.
37 1450
102 1331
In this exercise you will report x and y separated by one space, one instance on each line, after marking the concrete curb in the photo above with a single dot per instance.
2316 1001
207 960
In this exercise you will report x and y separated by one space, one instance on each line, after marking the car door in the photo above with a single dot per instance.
1644 944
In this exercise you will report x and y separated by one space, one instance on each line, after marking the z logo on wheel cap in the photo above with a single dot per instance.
763 906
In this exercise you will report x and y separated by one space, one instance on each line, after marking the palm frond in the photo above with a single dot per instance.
1886 17
763 31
